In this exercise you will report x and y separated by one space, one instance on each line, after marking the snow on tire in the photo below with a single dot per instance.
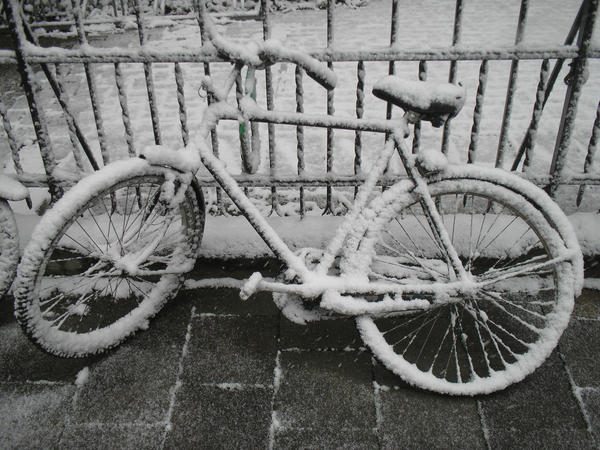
78 289
502 331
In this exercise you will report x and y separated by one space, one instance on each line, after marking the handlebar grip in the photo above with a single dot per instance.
314 68
321 74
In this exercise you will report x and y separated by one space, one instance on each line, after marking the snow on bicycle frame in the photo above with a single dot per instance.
421 101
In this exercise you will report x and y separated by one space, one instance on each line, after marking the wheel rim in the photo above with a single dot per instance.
81 287
460 347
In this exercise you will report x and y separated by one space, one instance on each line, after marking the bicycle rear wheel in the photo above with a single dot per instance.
499 333
80 289
9 247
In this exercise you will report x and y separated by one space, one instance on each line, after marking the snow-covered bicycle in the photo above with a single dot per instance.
461 278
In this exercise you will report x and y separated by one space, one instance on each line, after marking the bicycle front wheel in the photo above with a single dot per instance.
105 259
495 335
9 247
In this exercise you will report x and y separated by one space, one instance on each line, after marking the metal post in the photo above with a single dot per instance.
89 75
360 110
148 76
456 35
417 128
512 87
591 153
199 6
579 69
529 140
478 112
266 26
330 107
30 87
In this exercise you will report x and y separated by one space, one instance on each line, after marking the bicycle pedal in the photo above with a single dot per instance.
250 286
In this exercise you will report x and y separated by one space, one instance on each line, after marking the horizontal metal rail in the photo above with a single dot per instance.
40 180
34 54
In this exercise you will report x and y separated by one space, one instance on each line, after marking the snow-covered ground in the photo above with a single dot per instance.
423 24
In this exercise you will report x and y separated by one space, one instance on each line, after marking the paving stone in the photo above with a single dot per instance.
232 350
579 345
588 304
20 360
133 383
326 334
412 418
211 417
328 392
538 412
452 422
110 436
591 403
33 415
308 438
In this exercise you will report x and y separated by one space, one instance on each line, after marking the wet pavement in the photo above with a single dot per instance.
214 372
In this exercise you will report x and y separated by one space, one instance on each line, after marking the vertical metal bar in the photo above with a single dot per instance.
199 6
360 110
185 134
148 75
300 134
512 87
456 36
122 94
115 8
330 107
395 20
591 153
124 10
549 85
89 75
13 142
569 112
60 93
416 143
559 63
30 87
528 143
77 156
244 133
478 111
266 26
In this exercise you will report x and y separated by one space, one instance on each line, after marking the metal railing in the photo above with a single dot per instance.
577 49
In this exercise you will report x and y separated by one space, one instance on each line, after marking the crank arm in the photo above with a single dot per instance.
351 306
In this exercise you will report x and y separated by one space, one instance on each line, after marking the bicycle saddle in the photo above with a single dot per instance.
434 102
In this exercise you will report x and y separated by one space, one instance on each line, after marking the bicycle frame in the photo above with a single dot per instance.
396 130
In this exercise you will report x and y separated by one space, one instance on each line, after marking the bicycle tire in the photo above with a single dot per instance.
9 247
496 336
72 296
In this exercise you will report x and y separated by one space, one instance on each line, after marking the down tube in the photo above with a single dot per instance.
252 214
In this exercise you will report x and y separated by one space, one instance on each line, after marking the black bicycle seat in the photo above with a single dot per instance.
435 102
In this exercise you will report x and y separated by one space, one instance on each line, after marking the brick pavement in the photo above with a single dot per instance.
215 372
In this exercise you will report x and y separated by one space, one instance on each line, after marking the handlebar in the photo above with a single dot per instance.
259 54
